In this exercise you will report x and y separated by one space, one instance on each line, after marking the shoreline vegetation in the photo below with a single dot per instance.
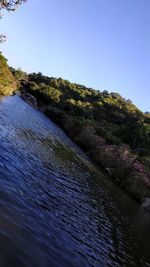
118 163
113 132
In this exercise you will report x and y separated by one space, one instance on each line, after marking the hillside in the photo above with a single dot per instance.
113 118
7 81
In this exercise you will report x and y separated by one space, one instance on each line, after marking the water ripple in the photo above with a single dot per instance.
56 209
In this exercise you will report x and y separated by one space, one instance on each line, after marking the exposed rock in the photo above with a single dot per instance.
30 99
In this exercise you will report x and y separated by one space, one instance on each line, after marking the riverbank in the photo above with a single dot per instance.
119 164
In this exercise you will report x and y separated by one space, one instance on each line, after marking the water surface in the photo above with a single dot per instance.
55 208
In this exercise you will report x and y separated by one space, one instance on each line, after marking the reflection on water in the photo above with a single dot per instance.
55 208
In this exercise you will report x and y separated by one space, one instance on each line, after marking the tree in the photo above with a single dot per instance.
7 81
9 5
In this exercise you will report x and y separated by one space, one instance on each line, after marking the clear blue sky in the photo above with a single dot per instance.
104 44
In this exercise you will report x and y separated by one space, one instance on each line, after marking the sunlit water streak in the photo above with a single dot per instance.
55 208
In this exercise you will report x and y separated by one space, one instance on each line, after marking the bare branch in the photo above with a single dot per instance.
10 5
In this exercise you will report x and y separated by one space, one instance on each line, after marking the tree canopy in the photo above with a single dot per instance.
9 5
114 118
7 80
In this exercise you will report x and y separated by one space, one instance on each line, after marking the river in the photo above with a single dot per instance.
56 209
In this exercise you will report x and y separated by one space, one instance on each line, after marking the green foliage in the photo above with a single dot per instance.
7 81
113 118
19 74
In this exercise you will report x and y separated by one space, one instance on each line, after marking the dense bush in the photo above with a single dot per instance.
114 118
7 81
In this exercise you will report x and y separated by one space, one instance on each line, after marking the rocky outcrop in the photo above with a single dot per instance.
30 99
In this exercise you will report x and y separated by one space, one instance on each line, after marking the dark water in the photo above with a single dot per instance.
55 208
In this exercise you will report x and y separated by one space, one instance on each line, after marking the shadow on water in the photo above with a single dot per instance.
56 209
